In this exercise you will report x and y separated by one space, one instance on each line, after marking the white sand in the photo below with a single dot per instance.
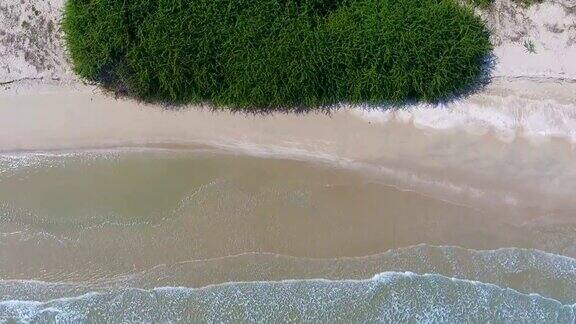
550 26
31 40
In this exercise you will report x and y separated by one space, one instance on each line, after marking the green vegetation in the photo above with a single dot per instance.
482 3
530 47
277 53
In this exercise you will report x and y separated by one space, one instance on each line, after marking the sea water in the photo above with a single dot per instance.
201 234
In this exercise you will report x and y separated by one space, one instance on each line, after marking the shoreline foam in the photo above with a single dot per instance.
502 267
391 296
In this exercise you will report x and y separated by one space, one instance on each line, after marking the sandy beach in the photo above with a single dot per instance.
108 201
487 150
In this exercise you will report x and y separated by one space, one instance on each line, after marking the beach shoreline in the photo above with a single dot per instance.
115 209
484 150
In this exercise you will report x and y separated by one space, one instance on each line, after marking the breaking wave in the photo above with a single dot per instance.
390 297
419 283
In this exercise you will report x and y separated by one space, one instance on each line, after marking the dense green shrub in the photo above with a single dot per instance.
277 53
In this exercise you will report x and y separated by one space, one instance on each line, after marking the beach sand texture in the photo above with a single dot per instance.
112 209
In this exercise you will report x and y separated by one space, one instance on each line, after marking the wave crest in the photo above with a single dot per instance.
390 297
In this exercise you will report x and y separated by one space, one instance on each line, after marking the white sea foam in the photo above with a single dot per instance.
505 116
524 270
390 296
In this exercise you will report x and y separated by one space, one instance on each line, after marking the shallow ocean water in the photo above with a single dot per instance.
199 234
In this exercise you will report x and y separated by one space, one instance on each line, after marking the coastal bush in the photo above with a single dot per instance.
267 54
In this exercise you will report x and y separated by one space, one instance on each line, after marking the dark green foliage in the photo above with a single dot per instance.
481 3
277 53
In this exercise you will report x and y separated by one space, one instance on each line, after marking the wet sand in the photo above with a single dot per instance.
97 214
456 153
100 214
